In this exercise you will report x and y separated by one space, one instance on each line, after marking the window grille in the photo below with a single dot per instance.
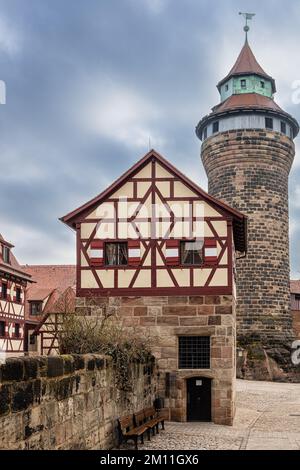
194 352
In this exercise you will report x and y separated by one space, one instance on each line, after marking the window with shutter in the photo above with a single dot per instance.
116 253
96 253
210 251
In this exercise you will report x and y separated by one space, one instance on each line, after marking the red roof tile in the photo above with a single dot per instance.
246 64
295 287
247 100
50 281
50 277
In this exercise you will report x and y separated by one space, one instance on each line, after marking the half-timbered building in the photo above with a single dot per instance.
160 251
13 282
51 296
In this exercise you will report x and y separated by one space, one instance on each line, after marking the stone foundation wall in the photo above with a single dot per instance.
165 319
67 402
249 170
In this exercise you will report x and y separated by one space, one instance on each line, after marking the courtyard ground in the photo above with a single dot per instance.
268 417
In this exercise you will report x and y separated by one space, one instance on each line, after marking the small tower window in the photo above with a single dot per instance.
269 123
283 127
226 87
205 133
291 133
243 83
262 84
216 127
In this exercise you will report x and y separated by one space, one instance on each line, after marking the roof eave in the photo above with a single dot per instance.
215 114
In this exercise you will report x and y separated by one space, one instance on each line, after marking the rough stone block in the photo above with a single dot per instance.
55 366
12 370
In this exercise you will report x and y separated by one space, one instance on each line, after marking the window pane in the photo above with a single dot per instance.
269 123
5 254
35 308
194 352
283 127
216 127
2 328
18 294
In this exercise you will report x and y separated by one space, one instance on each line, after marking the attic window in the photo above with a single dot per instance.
205 133
36 308
216 127
269 123
262 84
6 254
243 83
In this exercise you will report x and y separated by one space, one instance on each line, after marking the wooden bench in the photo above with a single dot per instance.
153 419
129 431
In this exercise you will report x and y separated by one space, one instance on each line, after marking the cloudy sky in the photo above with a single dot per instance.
88 81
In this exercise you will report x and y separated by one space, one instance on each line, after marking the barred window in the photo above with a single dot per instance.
194 352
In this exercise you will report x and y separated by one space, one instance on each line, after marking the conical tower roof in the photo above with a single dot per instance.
246 64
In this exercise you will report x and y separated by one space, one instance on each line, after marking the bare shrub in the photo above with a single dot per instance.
105 335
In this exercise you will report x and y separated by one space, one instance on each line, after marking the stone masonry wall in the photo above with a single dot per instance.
165 319
249 169
67 402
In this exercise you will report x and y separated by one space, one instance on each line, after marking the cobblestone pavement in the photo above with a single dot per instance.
267 417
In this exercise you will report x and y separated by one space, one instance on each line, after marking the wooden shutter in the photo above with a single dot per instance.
210 250
96 253
134 252
172 252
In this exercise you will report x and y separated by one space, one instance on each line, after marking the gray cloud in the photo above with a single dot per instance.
89 81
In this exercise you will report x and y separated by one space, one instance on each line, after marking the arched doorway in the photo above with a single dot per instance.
198 399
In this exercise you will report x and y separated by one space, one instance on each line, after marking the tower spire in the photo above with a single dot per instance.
247 16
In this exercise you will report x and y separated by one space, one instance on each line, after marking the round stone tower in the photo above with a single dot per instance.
247 151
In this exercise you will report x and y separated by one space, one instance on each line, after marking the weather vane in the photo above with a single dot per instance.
247 16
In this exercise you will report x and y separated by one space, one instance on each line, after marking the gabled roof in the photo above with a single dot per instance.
239 219
13 267
6 243
246 64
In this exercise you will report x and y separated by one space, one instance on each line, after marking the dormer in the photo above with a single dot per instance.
5 250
